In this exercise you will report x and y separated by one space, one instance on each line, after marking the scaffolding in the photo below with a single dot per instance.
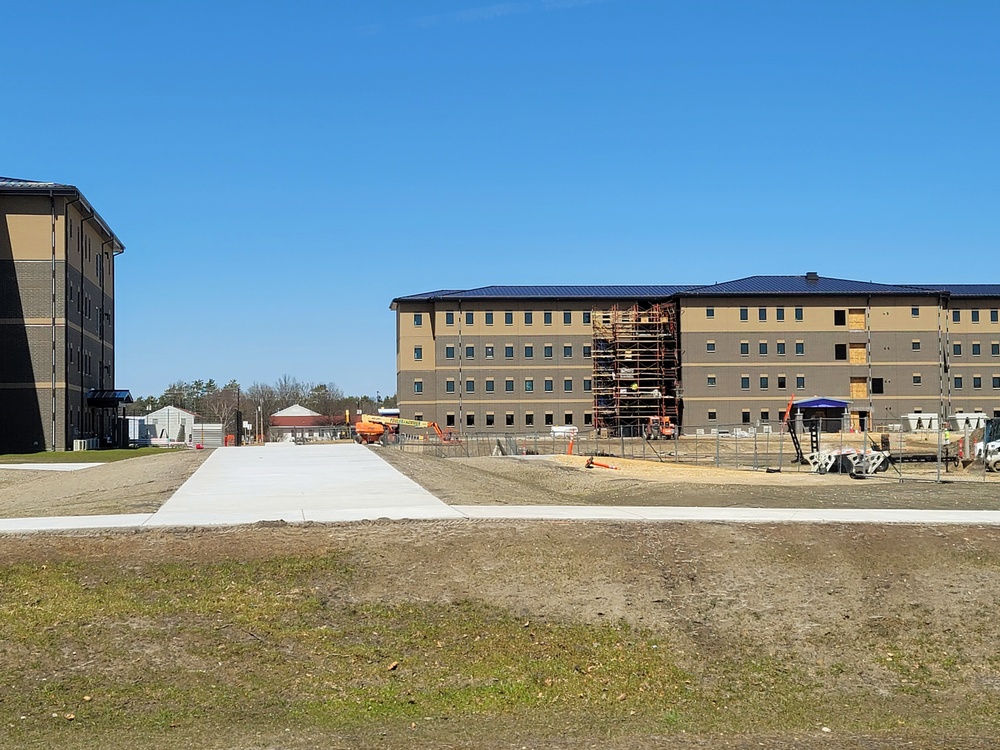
636 367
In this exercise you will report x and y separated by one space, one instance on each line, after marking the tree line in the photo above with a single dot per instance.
215 403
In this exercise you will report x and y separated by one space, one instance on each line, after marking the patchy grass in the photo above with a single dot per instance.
81 457
215 654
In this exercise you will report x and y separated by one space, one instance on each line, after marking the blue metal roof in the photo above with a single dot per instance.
549 292
967 290
756 285
13 182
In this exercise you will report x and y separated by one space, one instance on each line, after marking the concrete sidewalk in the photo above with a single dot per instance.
331 483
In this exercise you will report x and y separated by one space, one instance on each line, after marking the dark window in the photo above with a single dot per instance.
489 420
508 318
470 386
995 350
509 420
418 386
586 318
975 316
840 317
762 347
469 318
996 381
586 351
956 316
976 350
746 417
588 385
915 312
744 314
709 312
449 352
745 348
779 315
765 415
449 318
449 386
712 415
529 419
470 420
527 317
878 385
710 381
567 317
800 348
840 351
546 317
549 419
567 351
547 351
781 381
780 346
489 385
762 313
470 352
977 381
958 382
956 349
917 379
994 316
588 418
798 314
508 386
508 352
529 351
709 346
800 381
763 382
529 385
489 352
418 352
745 382
548 385
916 346
449 420
568 385
568 418
418 320
489 322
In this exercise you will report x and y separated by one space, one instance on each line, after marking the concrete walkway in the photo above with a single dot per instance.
330 483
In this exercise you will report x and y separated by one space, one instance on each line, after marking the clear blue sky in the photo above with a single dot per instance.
279 172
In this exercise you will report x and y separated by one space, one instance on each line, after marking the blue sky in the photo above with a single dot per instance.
280 172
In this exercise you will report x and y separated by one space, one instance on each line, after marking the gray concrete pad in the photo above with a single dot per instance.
70 523
297 483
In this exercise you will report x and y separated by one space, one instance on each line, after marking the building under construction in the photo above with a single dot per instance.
636 367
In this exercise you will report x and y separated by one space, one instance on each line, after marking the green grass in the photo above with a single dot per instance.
177 652
80 457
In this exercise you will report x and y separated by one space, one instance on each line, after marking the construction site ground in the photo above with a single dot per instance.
514 634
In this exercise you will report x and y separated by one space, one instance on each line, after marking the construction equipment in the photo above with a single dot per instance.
660 428
372 427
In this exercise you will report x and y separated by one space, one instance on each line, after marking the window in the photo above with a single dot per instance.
449 318
470 352
489 322
548 385
529 385
449 420
529 351
586 318
914 312
588 385
489 351
956 349
529 419
586 351
765 415
470 420
549 419
508 351
508 318
418 320
546 317
763 382
779 315
746 416
974 314
418 353
588 418
449 386
709 312
568 385
762 314
977 381
956 316
840 317
567 351
762 348
745 348
418 386
798 314
745 382
915 345
710 381
449 352
780 348
782 382
547 351
527 317
994 316
508 419
996 381
567 318
800 382
744 314
490 417
840 351
976 349
712 416
489 385
995 349
710 346
917 379
800 348
508 385
470 386
958 382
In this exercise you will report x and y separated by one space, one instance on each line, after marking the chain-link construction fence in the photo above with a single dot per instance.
818 446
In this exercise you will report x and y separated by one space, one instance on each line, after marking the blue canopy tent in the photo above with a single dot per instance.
832 413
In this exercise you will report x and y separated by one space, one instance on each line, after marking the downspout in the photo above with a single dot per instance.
66 229
52 208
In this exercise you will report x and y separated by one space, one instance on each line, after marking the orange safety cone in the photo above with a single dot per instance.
569 449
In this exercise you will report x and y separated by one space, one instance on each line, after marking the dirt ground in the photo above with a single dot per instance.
894 625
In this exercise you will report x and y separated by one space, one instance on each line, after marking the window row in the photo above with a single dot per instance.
798 314
975 348
490 385
508 317
490 419
958 382
489 351
764 381
956 316
763 348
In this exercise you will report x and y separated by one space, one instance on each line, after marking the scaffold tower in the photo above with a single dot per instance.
636 367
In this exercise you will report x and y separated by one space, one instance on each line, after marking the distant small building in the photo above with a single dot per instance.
171 424
297 423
